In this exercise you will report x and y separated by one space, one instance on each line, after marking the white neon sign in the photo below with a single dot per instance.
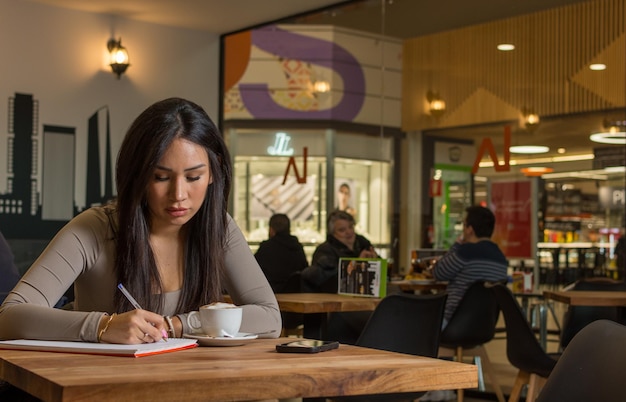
281 146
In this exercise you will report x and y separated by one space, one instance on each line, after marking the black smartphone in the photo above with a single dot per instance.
306 346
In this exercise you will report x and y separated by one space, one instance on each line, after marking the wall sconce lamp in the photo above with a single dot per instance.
531 119
436 105
118 57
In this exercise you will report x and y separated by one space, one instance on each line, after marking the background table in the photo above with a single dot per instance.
600 298
419 286
316 306
252 371
540 306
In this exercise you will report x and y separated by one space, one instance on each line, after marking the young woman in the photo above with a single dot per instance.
167 238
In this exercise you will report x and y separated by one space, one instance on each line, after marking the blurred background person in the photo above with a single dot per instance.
323 274
282 254
341 241
473 257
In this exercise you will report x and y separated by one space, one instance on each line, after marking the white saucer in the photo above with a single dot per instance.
205 340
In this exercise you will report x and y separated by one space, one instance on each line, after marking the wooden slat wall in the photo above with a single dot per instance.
547 72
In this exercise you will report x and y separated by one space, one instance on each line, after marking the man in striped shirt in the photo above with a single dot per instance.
474 257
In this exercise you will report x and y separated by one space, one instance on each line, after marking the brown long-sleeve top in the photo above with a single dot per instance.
83 253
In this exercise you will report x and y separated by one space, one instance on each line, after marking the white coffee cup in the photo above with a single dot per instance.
216 320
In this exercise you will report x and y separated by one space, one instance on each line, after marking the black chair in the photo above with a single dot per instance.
403 323
577 317
591 368
471 326
522 348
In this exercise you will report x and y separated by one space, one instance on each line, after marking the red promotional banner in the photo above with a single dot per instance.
435 188
511 203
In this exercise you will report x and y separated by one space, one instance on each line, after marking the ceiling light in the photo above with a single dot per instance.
614 133
528 149
597 67
321 86
536 171
561 150
615 169
616 137
541 160
506 47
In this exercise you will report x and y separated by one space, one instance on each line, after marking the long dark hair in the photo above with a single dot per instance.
146 141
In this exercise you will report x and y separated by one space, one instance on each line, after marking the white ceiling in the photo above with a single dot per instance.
215 16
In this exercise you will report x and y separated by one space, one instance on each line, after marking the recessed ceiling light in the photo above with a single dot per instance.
561 150
529 149
506 47
597 67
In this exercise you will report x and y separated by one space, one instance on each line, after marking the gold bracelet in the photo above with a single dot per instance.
106 326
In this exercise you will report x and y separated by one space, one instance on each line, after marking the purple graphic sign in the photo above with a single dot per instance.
257 99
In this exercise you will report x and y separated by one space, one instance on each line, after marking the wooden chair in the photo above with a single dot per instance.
522 348
471 326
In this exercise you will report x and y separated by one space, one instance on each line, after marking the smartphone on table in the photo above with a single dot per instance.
306 346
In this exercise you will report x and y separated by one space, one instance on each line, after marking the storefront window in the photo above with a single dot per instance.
272 175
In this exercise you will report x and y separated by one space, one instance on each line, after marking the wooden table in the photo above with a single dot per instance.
316 306
251 371
419 286
587 297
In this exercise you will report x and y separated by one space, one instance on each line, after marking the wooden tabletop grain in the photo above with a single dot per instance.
587 297
249 372
309 303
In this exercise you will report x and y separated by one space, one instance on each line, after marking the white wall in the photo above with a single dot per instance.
59 56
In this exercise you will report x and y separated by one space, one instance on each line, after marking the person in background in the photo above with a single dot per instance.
344 194
322 275
341 241
167 238
282 254
473 257
9 275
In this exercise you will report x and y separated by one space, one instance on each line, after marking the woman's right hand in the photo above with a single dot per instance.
132 327
368 253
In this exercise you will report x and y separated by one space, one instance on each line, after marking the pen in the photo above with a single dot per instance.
132 300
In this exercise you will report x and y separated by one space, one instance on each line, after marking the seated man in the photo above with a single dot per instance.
474 257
